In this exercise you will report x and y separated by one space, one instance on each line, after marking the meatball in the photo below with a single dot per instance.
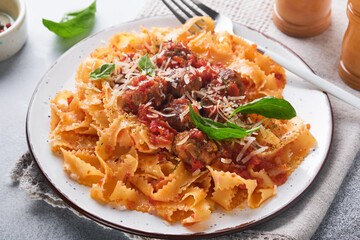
178 121
172 49
232 80
143 90
180 56
184 81
194 147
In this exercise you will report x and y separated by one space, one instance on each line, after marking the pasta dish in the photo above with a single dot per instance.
177 122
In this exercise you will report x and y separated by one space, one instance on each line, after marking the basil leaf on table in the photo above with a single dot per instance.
217 130
269 107
146 65
103 71
74 23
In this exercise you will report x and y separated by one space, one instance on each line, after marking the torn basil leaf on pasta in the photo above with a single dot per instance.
217 130
269 107
103 71
146 66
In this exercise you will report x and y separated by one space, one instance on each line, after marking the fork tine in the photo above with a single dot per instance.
182 9
196 26
206 9
192 9
178 16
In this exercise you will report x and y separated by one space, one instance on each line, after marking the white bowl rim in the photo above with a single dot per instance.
19 20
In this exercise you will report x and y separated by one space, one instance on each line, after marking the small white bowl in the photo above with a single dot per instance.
13 38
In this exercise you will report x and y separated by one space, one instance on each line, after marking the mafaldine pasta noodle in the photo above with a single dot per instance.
127 131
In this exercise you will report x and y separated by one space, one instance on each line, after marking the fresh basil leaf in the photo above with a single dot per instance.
103 71
269 107
74 23
217 130
146 65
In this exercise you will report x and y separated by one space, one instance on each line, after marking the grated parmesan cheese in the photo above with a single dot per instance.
152 115
183 114
250 140
186 79
183 140
248 157
162 114
226 160
196 172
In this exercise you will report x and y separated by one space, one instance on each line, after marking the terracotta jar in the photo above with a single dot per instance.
349 66
302 18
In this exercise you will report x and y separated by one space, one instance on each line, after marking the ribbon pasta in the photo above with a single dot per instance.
121 157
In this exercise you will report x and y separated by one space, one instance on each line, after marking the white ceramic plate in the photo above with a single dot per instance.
312 105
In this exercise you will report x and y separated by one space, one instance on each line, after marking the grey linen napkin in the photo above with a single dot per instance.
322 52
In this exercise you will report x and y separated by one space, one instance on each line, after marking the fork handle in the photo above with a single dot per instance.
315 80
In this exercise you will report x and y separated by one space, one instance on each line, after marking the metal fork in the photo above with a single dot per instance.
223 23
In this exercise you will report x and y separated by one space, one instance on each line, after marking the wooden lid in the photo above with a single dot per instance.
300 31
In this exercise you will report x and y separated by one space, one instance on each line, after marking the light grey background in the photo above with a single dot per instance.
22 218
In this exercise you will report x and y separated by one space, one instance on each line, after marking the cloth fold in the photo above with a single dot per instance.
322 52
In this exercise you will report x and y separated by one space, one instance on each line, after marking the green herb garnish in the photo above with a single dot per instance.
269 107
74 23
176 165
103 71
217 130
146 65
